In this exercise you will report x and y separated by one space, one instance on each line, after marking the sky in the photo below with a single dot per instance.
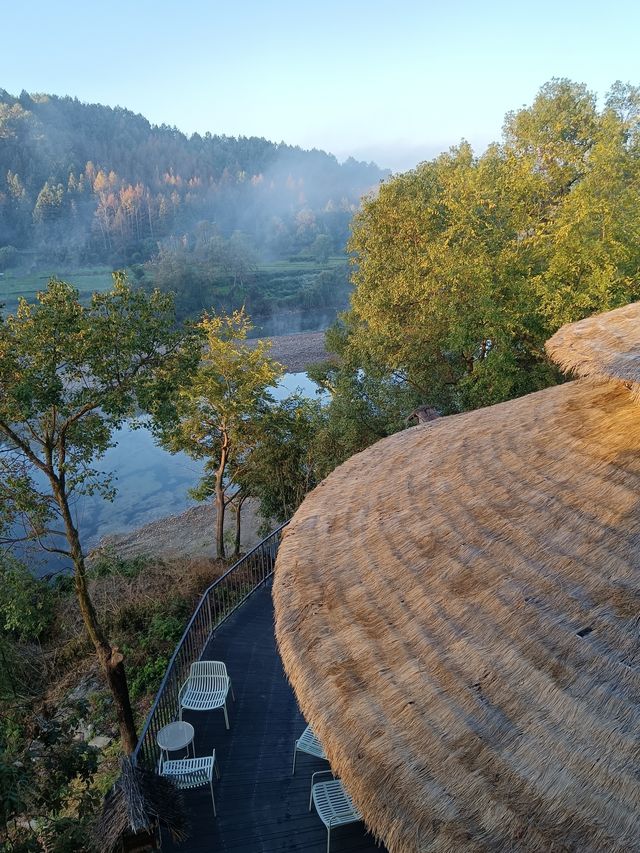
394 81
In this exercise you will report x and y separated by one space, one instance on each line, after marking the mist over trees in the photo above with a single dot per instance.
84 183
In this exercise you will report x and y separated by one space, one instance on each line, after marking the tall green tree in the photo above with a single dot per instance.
213 411
464 266
69 377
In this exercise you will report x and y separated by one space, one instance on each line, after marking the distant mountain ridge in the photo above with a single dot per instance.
85 182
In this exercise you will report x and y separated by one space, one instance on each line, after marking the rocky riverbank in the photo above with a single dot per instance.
296 352
188 534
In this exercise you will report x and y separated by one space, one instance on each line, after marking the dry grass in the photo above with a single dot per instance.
605 347
457 609
123 603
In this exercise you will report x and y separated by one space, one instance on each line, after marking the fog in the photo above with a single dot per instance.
83 183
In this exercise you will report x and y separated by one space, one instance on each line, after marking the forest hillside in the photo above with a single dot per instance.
84 185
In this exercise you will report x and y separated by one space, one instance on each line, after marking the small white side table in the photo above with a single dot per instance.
176 736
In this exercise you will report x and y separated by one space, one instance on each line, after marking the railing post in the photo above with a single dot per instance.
209 613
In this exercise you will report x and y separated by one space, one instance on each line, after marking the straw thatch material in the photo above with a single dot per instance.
604 347
458 607
138 800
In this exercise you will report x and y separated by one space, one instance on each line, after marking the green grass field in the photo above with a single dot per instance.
300 266
86 279
272 283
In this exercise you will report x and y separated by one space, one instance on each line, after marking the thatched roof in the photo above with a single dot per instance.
138 800
458 610
603 347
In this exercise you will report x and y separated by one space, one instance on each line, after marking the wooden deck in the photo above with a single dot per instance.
261 807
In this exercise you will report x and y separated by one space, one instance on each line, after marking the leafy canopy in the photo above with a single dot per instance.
464 266
215 412
230 384
69 376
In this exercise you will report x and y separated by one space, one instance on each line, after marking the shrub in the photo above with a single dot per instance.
109 563
26 603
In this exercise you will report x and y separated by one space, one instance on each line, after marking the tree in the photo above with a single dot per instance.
466 265
365 405
49 202
8 257
69 376
281 467
238 258
212 413
321 248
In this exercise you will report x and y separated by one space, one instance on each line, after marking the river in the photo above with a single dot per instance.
151 484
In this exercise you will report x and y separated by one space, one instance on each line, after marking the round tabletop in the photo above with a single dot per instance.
175 736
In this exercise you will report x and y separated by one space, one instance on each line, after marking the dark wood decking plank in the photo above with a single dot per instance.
261 807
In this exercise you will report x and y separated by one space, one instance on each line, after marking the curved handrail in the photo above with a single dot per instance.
217 602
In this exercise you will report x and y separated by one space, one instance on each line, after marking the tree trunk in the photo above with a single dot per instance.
220 502
220 523
238 508
113 666
109 656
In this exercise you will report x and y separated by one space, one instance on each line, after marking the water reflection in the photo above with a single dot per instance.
150 483
292 383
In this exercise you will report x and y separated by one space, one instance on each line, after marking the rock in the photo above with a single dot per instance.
100 741
84 731
83 690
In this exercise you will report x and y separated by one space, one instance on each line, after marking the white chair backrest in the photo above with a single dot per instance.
205 670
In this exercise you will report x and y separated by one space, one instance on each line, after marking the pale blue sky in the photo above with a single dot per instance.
396 81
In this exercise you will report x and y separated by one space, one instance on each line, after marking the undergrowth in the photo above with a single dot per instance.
53 700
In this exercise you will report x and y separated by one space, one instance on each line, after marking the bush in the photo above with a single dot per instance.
26 603
47 781
146 679
109 563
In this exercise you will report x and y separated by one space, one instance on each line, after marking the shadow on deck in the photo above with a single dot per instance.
261 807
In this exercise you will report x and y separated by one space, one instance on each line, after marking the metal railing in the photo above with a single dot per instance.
224 596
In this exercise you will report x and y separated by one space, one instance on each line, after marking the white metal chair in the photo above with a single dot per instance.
309 743
333 804
206 688
192 773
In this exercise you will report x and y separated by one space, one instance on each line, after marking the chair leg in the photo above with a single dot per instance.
295 749
226 718
215 764
311 796
213 798
328 838
231 689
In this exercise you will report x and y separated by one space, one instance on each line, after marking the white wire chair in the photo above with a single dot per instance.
206 688
333 804
307 742
192 773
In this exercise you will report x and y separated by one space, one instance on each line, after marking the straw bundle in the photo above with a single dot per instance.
134 806
603 347
457 609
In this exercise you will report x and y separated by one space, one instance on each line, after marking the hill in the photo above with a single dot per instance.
85 184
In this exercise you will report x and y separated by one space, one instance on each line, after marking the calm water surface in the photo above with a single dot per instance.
150 483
